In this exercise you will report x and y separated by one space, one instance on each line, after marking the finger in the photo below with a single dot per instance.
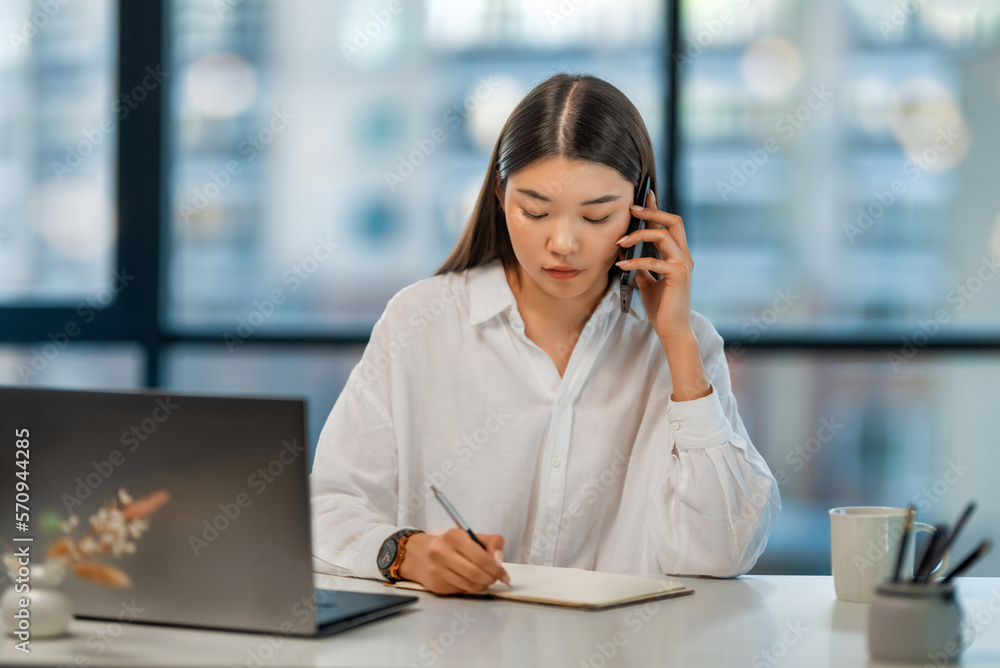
448 570
643 279
458 582
661 267
474 563
672 223
489 559
494 545
651 201
457 571
663 241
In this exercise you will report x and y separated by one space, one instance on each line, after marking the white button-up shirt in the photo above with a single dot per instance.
598 469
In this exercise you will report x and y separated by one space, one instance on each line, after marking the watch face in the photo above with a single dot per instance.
388 554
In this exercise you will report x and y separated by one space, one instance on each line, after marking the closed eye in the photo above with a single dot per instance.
533 216
597 222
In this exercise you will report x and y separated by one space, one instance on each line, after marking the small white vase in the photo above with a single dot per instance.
49 609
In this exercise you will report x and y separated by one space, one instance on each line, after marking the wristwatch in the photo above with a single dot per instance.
390 556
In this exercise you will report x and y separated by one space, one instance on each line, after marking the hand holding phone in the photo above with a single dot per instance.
628 277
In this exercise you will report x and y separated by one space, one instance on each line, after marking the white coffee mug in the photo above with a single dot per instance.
864 547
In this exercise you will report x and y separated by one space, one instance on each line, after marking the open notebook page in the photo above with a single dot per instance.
575 587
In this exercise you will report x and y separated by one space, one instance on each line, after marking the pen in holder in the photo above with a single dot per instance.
915 622
918 619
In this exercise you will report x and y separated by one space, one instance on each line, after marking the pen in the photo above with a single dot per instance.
983 548
947 544
927 563
450 509
907 523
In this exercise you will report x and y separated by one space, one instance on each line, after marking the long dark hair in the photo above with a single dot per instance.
576 116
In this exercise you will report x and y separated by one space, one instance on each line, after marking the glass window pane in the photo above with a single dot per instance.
850 429
314 373
57 144
84 365
322 165
838 163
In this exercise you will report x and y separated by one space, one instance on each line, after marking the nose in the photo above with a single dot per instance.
563 237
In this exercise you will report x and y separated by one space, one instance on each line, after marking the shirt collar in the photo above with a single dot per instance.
490 294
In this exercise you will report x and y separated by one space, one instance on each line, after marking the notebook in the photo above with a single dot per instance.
230 550
574 587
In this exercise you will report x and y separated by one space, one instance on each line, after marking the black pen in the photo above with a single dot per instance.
950 542
983 548
907 524
450 509
929 560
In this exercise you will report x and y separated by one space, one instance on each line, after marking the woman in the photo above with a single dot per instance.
566 432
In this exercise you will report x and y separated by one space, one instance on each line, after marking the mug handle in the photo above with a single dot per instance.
942 567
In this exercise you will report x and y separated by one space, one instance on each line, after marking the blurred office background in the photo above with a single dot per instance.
287 166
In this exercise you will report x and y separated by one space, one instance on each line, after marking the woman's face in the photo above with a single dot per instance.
564 217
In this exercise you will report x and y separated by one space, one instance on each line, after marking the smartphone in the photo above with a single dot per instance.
628 277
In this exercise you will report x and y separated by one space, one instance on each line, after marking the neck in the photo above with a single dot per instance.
548 312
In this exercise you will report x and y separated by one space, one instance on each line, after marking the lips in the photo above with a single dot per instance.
562 272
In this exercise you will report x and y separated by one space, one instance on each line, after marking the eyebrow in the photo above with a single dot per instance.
600 200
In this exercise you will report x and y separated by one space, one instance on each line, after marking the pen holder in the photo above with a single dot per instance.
915 623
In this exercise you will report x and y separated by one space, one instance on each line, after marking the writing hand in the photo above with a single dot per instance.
452 563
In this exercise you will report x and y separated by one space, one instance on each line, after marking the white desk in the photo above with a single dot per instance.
763 621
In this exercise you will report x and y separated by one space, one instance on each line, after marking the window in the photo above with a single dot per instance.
834 177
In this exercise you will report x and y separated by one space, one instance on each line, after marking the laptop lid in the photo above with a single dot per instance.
230 549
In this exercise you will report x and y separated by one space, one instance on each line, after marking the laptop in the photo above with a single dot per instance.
230 550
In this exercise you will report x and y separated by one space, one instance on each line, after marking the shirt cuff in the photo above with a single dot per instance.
699 423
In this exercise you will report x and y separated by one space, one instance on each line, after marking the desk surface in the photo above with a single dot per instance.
757 621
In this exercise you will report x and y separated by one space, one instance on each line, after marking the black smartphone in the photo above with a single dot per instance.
628 277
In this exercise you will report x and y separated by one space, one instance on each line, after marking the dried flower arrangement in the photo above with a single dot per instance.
113 532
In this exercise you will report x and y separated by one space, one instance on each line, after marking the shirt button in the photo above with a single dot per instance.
676 426
562 403
555 461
